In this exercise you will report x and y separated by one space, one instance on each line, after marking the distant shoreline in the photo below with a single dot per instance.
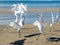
30 10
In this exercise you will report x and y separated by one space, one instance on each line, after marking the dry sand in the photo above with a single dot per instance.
29 35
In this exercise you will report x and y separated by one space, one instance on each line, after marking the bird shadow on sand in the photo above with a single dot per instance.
18 42
32 35
53 39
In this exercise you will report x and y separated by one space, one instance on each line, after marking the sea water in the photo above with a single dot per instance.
29 17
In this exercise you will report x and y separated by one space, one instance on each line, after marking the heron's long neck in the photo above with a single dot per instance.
52 18
20 22
16 20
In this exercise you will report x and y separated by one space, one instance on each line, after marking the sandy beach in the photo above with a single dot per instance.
29 35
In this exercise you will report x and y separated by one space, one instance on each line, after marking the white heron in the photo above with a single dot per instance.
15 10
51 24
36 23
52 18
16 25
18 9
56 17
21 22
39 25
23 11
24 8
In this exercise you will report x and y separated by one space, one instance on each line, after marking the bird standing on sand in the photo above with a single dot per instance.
18 9
56 17
36 23
40 24
51 24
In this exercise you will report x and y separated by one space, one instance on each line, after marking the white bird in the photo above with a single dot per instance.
16 19
18 9
39 25
15 10
57 17
52 18
51 24
17 24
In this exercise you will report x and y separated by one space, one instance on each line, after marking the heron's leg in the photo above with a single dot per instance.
52 28
41 31
38 36
19 33
18 29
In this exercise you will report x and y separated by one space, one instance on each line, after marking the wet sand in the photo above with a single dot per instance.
29 35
